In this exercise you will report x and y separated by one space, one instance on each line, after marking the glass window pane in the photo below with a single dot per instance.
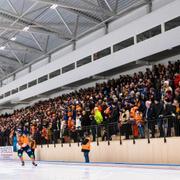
54 74
102 53
68 68
172 23
14 91
84 61
149 34
1 97
21 88
8 94
32 83
123 44
42 79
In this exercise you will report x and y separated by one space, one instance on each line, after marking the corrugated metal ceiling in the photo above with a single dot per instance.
48 28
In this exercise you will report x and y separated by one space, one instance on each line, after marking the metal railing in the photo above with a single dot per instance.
163 127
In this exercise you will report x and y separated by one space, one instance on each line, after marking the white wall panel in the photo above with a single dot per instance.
91 37
62 52
22 73
132 16
39 64
7 81
159 3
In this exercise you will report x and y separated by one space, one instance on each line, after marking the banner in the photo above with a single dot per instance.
6 152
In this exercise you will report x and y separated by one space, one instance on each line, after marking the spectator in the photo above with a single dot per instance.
44 135
150 117
176 105
103 105
133 121
86 147
158 113
124 119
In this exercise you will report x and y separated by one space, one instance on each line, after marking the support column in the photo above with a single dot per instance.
106 28
49 59
30 68
74 45
14 76
149 6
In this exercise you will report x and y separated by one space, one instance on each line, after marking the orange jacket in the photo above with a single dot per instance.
23 141
100 108
70 113
132 112
78 108
87 146
44 133
107 111
70 124
138 117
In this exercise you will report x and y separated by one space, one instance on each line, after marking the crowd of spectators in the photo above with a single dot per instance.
130 105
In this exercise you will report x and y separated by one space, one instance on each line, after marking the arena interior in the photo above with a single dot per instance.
89 89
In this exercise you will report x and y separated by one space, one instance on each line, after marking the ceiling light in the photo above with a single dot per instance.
54 6
13 38
26 28
2 47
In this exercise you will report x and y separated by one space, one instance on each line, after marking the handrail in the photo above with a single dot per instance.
107 130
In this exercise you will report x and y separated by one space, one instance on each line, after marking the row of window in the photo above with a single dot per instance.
100 54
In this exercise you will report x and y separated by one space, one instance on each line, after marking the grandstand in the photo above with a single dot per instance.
103 70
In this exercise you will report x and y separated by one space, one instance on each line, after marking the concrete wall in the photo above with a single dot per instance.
157 152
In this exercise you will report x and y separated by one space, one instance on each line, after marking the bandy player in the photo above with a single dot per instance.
23 145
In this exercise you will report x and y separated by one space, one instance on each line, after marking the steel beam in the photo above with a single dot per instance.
12 7
63 20
36 41
108 5
38 27
8 58
14 54
92 7
28 48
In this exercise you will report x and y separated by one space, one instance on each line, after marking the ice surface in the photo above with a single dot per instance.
12 170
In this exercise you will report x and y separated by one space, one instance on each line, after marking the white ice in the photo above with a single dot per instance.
12 170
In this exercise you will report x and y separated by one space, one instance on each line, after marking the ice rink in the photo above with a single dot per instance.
12 170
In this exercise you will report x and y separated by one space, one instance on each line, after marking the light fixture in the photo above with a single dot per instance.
13 39
2 47
26 28
54 6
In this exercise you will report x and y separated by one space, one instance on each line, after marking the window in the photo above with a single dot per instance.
7 94
54 74
123 44
14 91
1 97
102 53
149 34
32 83
172 24
42 79
23 87
84 61
68 68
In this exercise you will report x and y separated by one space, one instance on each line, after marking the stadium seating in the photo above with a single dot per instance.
146 104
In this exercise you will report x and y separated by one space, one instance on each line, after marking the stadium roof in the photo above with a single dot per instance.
32 29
